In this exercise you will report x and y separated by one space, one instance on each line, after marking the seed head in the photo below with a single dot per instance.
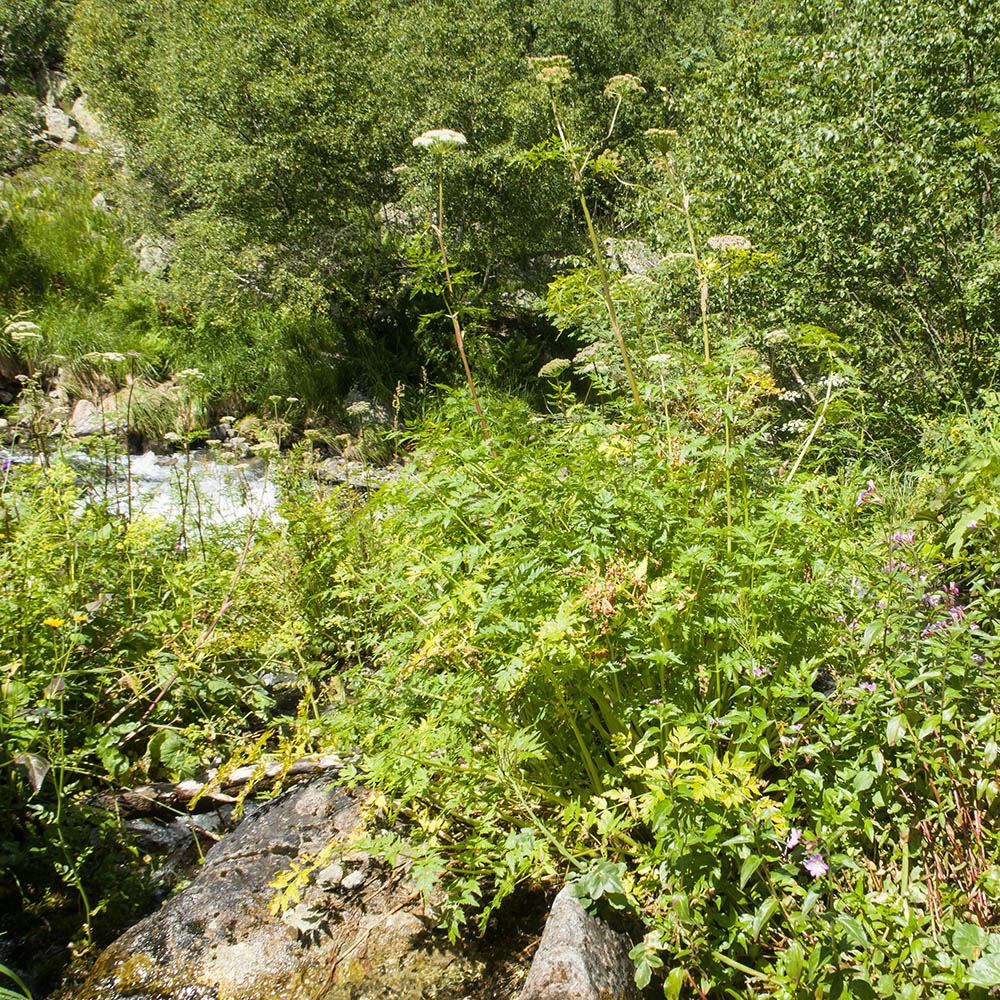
111 356
661 138
622 85
554 368
23 330
553 71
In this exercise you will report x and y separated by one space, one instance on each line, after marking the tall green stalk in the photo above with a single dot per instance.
451 301
598 256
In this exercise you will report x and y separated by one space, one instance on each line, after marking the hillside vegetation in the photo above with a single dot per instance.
684 318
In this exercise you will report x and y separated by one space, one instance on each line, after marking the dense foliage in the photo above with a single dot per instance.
758 715
859 145
693 604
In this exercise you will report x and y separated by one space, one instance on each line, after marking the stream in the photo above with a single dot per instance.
210 489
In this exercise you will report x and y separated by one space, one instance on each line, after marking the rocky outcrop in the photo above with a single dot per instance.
580 958
632 256
154 257
88 418
359 930
59 127
87 120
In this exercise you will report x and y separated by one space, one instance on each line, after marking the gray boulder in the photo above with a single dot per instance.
154 256
88 418
86 118
364 411
359 929
632 256
59 126
580 958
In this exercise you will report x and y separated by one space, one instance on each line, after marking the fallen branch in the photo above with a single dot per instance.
165 800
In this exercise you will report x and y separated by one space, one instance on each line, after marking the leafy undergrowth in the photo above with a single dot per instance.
758 714
117 667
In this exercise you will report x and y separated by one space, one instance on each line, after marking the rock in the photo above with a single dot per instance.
40 413
154 260
100 202
86 119
89 418
580 958
364 411
633 256
59 126
52 87
346 471
218 939
250 428
355 880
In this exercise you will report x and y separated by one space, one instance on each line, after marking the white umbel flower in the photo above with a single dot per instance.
22 330
438 140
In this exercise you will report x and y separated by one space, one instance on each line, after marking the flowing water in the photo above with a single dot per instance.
198 485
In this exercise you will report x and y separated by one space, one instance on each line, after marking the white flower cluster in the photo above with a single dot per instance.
551 70
623 84
796 426
22 330
437 140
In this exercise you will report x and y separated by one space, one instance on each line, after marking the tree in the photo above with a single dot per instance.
859 144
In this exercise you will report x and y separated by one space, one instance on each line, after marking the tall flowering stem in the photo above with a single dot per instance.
661 137
552 75
439 141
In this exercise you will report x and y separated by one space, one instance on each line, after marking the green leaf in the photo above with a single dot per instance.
895 729
33 767
863 780
986 972
969 940
764 913
794 961
674 983
957 535
855 932
750 865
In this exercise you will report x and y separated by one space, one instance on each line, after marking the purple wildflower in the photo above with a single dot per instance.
938 626
794 838
5 464
815 865
869 495
868 686
904 537
761 672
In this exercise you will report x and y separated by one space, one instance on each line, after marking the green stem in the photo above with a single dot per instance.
812 433
598 256
450 302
